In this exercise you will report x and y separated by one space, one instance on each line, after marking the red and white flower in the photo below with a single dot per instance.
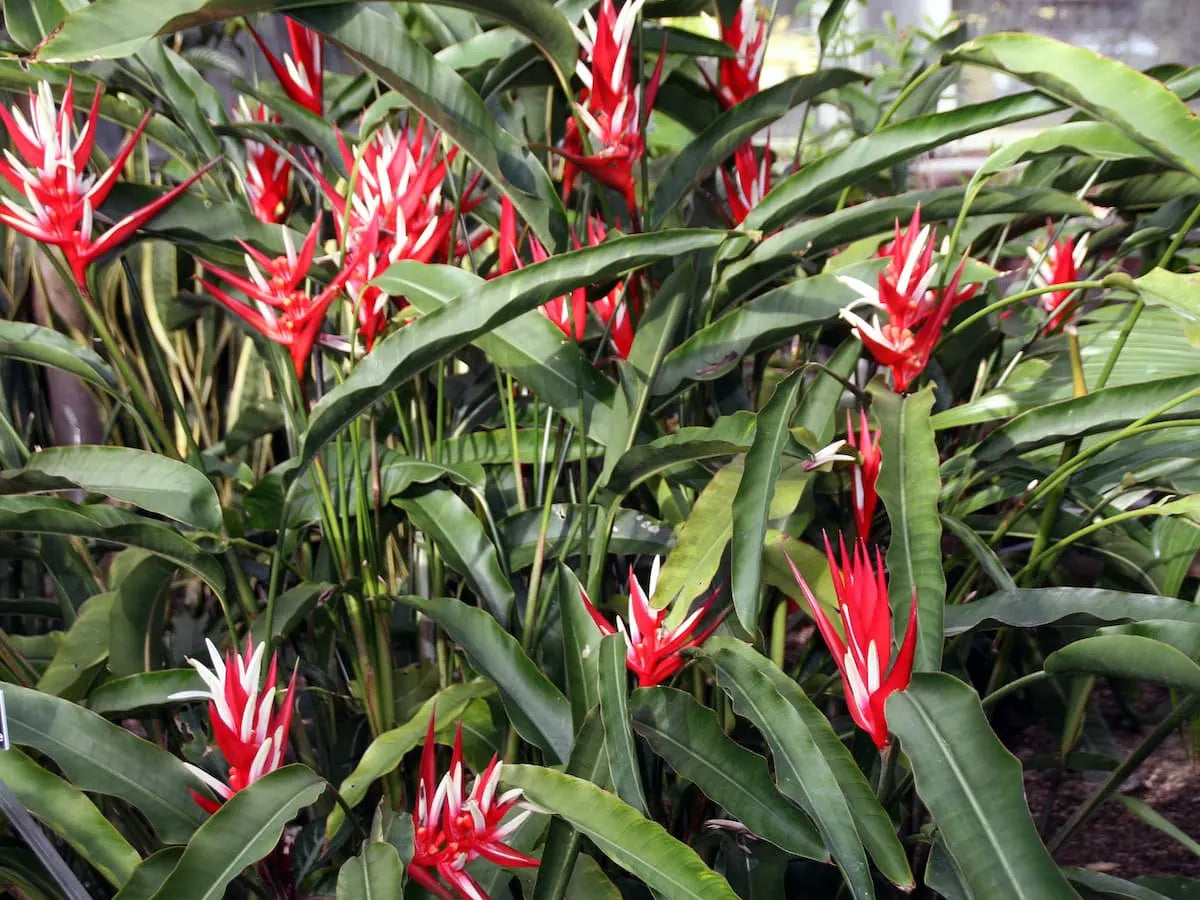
452 827
268 172
568 312
1061 264
863 649
248 728
746 34
749 181
653 651
301 73
865 472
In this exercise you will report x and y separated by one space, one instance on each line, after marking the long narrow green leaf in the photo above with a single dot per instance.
374 874
614 714
972 786
909 484
46 347
622 834
537 708
1032 607
1127 656
69 813
687 736
98 756
581 638
752 502
244 830
145 690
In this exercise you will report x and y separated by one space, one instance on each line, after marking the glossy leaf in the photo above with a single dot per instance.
972 787
614 714
150 874
147 690
156 483
1127 656
84 646
687 736
1032 607
581 641
244 830
69 813
633 533
46 347
376 872
537 708
100 757
622 834
909 484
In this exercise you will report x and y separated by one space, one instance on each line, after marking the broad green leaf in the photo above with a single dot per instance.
458 533
147 690
731 129
687 736
375 873
150 874
973 789
84 646
614 714
1032 607
1104 410
137 616
98 756
384 753
1099 140
633 533
46 515
909 485
630 840
536 707
752 502
46 347
291 609
580 640
244 830
431 338
28 21
1141 107
1127 656
530 348
812 766
68 812
156 483
1177 291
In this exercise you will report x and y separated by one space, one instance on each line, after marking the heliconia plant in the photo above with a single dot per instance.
474 450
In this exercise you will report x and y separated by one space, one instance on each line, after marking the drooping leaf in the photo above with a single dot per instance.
1128 656
1029 608
142 691
47 347
972 787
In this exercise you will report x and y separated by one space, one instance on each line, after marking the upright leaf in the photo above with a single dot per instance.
376 873
614 713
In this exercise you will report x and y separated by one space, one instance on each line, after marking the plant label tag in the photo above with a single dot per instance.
4 742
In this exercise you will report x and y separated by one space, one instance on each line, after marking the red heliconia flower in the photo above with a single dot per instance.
283 309
613 308
247 728
451 828
864 648
653 652
749 182
568 312
915 312
301 73
1060 265
396 195
865 472
747 34
50 174
611 107
268 172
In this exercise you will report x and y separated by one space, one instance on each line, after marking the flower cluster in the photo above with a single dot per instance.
612 107
268 172
301 73
248 729
394 208
452 827
864 646
1060 264
746 35
864 473
747 181
915 312
653 651
51 174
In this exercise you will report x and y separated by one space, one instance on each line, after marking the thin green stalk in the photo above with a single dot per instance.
535 576
1013 686
779 633
1017 298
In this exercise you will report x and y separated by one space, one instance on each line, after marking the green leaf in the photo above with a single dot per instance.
28 21
244 830
458 533
688 737
376 873
622 834
530 348
1127 656
46 347
752 502
150 874
1067 606
812 766
1178 292
973 789
633 533
138 611
1141 107
581 639
536 707
731 129
68 812
385 753
45 515
84 646
431 338
146 690
156 483
909 484
614 713
106 759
